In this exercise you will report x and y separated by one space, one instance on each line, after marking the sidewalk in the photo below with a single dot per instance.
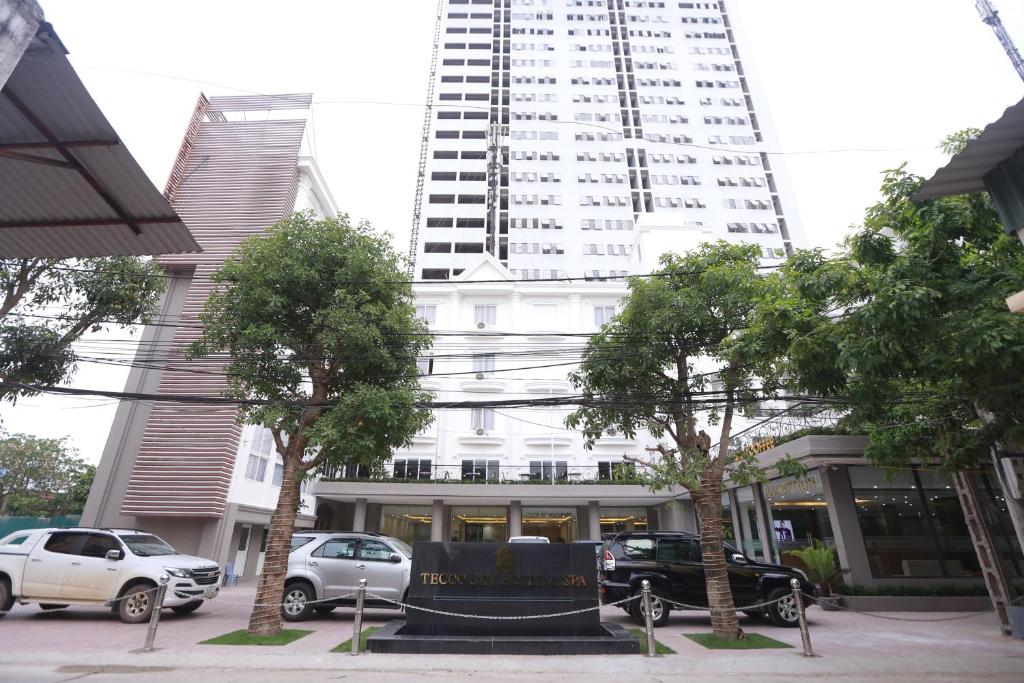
56 646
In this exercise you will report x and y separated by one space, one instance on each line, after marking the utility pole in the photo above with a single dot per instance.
990 16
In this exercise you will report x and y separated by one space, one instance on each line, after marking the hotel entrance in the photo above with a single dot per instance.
558 525
479 524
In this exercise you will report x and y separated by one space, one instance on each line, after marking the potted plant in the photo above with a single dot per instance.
822 570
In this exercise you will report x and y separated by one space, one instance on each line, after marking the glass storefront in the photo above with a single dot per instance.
746 510
616 520
1007 545
409 523
558 525
476 524
798 514
727 527
912 524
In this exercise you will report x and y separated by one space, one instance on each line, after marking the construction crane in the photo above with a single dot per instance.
421 171
990 16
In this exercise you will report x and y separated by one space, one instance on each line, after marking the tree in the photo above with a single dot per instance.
319 329
40 477
48 304
917 340
681 333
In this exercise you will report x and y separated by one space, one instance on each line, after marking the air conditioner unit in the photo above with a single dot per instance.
479 375
611 431
481 326
480 432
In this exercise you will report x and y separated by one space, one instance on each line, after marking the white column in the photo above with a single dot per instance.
359 517
515 518
437 521
594 520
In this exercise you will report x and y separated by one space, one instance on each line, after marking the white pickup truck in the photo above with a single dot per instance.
117 568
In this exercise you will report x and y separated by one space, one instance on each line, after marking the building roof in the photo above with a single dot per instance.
965 171
68 186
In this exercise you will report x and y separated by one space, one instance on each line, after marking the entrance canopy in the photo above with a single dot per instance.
68 186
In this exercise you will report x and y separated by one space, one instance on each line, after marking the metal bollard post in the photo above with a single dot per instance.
357 629
805 634
645 591
154 617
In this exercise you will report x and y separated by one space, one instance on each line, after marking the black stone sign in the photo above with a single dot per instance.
499 579
502 579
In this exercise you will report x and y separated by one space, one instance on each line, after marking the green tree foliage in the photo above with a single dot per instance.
48 304
910 329
685 350
820 562
41 477
315 318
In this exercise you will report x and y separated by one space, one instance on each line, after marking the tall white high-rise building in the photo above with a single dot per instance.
557 125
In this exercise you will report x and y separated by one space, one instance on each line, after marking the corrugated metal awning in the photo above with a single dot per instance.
68 186
964 172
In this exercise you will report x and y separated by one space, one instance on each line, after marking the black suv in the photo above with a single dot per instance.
672 563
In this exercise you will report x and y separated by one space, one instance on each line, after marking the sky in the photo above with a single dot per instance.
851 88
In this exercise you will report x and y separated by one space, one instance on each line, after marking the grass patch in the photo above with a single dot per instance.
749 641
659 647
288 635
347 645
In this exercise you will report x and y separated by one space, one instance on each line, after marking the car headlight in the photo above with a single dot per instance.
180 573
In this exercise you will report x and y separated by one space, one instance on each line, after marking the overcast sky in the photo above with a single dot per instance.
891 75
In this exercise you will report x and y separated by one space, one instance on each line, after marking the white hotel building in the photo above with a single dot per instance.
566 139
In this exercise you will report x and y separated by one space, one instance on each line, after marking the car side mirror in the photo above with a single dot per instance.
115 555
738 559
394 557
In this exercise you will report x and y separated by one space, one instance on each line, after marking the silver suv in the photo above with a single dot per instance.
324 568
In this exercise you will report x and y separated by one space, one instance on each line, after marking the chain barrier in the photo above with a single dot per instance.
705 608
500 617
837 603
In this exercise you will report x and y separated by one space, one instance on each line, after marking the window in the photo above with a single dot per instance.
469 248
412 469
437 248
677 550
97 545
427 313
603 315
615 469
638 548
483 363
480 470
549 469
485 315
256 469
481 418
425 365
375 551
442 175
64 543
337 549
278 475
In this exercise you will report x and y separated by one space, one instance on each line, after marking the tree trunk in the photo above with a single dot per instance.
265 619
724 622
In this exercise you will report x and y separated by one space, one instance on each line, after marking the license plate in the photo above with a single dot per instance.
210 592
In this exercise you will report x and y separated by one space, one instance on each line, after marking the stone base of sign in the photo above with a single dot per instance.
614 640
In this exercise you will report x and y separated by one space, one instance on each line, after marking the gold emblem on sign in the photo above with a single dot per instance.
503 560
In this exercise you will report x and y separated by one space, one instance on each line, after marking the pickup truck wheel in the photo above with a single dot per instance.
295 605
136 604
188 607
6 597
783 612
659 610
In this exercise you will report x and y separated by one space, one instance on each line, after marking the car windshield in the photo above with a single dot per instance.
299 541
147 545
402 546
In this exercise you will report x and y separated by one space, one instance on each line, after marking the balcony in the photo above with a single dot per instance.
490 472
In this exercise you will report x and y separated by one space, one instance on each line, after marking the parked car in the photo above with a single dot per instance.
598 550
324 568
529 539
111 567
673 564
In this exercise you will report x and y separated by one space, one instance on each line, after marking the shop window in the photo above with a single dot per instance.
479 524
558 525
912 524
798 514
408 523
617 520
